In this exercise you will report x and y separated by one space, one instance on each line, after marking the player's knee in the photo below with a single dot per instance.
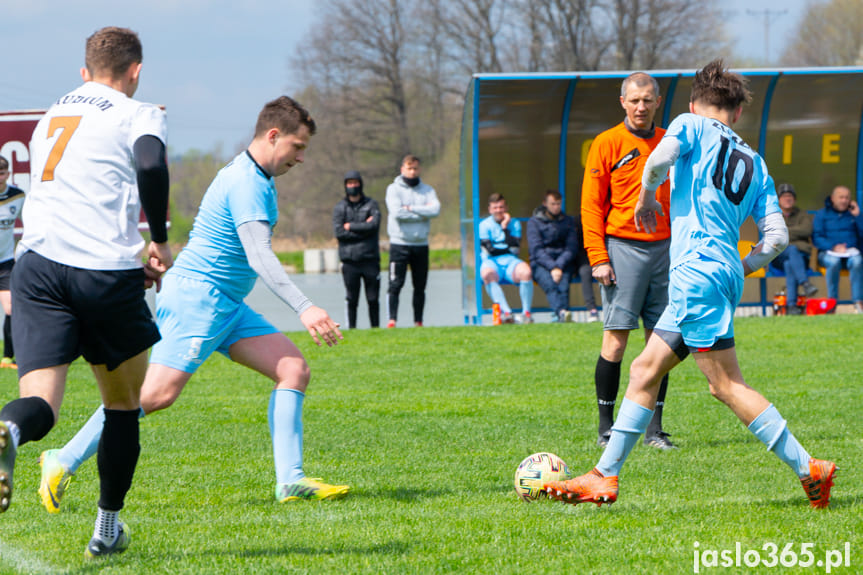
613 348
294 373
719 391
158 400
641 372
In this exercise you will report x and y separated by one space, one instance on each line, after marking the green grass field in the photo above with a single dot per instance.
427 426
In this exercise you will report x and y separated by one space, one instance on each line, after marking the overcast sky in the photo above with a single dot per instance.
213 63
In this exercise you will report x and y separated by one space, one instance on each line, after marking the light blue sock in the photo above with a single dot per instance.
772 431
525 290
631 422
495 292
285 415
86 442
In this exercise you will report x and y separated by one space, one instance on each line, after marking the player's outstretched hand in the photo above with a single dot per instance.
646 212
318 322
159 260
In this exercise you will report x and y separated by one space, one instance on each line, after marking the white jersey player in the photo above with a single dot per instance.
83 207
98 156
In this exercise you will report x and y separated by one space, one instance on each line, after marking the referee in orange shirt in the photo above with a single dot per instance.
631 266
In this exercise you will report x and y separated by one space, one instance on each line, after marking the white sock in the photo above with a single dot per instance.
106 527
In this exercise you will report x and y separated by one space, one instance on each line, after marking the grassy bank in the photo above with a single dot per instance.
439 259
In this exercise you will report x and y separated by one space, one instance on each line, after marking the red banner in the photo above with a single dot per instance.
15 131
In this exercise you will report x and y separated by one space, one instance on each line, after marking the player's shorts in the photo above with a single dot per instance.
504 265
6 274
196 319
62 312
641 289
703 295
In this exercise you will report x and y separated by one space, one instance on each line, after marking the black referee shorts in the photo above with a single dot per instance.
62 312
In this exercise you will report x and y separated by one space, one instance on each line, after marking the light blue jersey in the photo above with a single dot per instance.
241 192
716 183
493 238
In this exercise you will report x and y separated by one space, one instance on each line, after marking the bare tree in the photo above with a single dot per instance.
651 34
681 34
829 34
536 41
574 38
475 30
626 15
435 77
387 77
361 55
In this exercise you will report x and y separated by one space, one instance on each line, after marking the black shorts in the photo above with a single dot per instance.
6 274
62 312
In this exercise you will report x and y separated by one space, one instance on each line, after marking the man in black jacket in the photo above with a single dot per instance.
553 245
356 221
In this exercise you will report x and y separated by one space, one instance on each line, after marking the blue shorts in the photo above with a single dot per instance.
504 265
196 319
702 297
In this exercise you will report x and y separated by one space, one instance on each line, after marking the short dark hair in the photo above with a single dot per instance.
112 50
494 198
553 193
714 85
4 163
410 159
286 115
640 79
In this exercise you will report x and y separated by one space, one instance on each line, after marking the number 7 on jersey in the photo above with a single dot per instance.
68 125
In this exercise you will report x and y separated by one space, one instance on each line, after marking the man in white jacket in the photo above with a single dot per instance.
411 204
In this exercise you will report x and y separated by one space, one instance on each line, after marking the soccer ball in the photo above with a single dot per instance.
537 469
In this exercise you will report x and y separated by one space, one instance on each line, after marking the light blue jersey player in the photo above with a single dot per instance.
499 238
200 308
717 181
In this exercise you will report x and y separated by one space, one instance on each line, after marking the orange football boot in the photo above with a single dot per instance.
819 481
591 487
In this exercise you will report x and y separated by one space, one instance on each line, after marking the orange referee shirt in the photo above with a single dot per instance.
612 183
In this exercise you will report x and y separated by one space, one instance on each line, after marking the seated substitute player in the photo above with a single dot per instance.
718 182
200 307
500 236
97 157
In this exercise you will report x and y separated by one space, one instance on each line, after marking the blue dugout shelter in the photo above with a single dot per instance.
525 133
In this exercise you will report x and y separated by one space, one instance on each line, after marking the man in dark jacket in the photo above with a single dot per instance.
794 261
356 221
836 233
553 244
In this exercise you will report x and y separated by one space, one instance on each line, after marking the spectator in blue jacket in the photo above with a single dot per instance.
836 233
553 244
